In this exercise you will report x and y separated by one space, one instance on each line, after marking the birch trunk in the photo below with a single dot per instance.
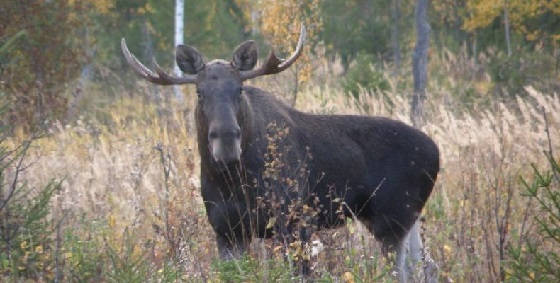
506 27
179 31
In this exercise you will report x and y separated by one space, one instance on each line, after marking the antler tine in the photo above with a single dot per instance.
160 77
295 55
273 64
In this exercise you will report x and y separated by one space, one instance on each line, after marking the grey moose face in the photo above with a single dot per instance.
219 90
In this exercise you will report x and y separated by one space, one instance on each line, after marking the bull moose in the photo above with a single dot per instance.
375 169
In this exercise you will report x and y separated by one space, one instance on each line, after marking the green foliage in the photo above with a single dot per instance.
25 228
248 269
512 73
363 75
35 68
537 257
354 27
126 265
84 258
94 255
214 27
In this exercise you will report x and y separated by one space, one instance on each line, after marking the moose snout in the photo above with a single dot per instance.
230 133
225 143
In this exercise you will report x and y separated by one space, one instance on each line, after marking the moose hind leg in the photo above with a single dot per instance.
416 254
393 236
415 248
395 252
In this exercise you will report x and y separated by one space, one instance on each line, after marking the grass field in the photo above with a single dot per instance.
129 207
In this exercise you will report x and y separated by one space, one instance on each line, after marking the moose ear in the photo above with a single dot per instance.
245 56
189 59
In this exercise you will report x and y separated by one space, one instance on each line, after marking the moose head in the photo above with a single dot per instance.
219 85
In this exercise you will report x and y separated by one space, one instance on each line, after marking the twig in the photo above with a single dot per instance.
18 170
550 152
58 270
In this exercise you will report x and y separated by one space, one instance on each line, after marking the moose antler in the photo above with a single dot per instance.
273 64
160 76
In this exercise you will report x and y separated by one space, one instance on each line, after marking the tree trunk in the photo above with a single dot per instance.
556 55
420 63
420 74
254 22
395 33
179 31
506 27
475 49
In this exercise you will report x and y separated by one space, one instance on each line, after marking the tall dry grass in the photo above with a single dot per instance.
136 170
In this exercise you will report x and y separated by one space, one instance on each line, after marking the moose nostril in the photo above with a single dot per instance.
213 135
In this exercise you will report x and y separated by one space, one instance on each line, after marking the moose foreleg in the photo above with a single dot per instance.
228 250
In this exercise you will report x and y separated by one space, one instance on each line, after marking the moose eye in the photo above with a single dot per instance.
198 94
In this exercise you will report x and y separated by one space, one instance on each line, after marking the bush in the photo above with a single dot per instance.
537 257
26 244
40 53
364 76
248 269
512 73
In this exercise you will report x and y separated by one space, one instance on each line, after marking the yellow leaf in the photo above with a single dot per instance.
348 277
447 250
271 223
277 249
112 221
351 229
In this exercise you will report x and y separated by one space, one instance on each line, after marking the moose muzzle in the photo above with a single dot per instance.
225 143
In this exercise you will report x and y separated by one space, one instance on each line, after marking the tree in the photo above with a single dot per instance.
357 26
536 21
179 33
420 74
447 24
506 27
215 27
420 63
40 63
281 22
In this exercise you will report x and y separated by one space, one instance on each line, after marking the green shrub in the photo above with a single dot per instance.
248 269
512 73
537 257
26 245
363 75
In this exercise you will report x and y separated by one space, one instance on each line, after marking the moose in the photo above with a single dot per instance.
258 155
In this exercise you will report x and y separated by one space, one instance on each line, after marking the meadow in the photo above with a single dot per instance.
126 207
